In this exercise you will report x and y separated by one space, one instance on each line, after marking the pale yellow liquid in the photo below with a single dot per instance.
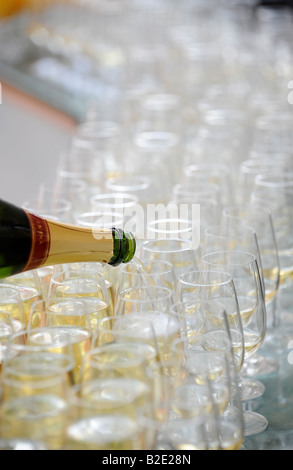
6 330
28 296
38 417
272 280
77 287
79 339
216 307
252 342
217 341
286 270
95 310
104 432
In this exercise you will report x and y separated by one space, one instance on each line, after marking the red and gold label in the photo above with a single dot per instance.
41 241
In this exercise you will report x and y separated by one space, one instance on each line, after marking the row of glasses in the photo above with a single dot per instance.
153 139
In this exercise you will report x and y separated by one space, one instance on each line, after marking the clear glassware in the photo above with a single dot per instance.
68 187
174 228
243 268
101 219
117 329
28 296
80 284
116 202
211 293
54 208
152 273
139 186
155 153
35 385
232 236
249 169
209 389
217 174
105 138
13 317
179 253
160 112
91 428
64 321
141 299
260 219
274 190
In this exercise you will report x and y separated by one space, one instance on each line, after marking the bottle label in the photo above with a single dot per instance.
41 241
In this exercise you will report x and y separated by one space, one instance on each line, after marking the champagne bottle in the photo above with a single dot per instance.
28 241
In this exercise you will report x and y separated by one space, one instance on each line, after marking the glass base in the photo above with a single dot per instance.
254 423
260 366
251 389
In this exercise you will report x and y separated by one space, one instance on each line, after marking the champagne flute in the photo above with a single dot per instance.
243 268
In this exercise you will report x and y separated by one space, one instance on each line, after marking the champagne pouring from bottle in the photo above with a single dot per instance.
28 241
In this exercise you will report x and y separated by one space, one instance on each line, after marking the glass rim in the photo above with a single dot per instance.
164 242
130 199
167 294
246 254
121 184
223 274
186 222
278 180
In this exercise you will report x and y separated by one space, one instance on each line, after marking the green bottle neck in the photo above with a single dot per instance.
124 247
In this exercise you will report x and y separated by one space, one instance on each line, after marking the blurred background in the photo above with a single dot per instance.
63 61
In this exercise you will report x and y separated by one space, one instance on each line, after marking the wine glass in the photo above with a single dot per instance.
12 305
211 293
274 190
26 296
35 394
243 268
232 236
139 309
209 389
261 220
217 174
